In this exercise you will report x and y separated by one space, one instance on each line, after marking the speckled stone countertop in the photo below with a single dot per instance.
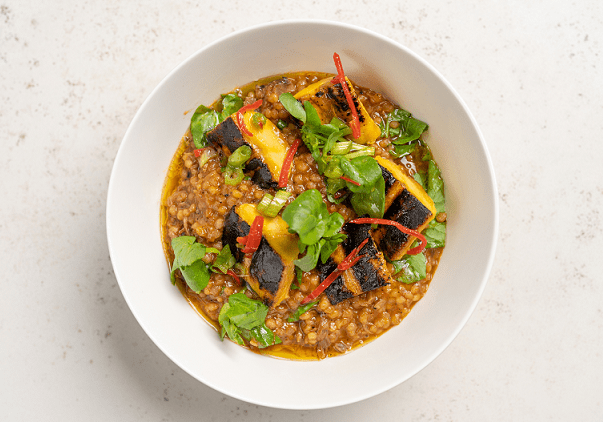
72 77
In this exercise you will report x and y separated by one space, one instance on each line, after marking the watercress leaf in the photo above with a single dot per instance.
435 187
411 268
364 170
307 216
196 275
334 223
372 202
421 179
302 310
312 117
187 250
203 120
329 247
224 261
231 103
402 150
294 107
409 128
308 261
264 336
435 234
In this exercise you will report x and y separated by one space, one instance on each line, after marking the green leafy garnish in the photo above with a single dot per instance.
435 234
435 187
369 196
294 107
224 261
408 130
411 268
231 103
188 258
245 318
318 230
302 310
203 120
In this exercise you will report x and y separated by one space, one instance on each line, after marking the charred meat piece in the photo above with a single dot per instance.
369 273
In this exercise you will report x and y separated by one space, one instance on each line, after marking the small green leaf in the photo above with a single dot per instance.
308 262
224 261
402 150
435 187
231 103
411 268
302 310
203 120
294 107
312 117
196 275
435 234
306 216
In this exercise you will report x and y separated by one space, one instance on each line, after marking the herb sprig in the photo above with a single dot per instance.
189 259
318 230
245 318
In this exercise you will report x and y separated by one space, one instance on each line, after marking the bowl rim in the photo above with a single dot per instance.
492 184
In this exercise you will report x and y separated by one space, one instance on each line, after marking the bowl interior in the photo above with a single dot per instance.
140 169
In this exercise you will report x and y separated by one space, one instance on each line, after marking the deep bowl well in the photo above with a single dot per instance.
153 136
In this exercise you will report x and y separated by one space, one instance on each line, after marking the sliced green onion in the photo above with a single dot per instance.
233 176
239 156
341 148
270 205
281 124
277 203
258 120
205 156
263 205
366 151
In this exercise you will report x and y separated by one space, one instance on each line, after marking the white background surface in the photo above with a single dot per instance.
72 77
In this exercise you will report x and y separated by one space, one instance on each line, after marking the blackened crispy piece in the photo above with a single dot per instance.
267 267
234 227
226 135
337 291
261 174
369 273
407 210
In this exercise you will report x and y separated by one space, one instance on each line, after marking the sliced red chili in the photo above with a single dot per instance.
283 179
347 263
198 152
253 239
347 179
242 110
340 78
235 276
414 251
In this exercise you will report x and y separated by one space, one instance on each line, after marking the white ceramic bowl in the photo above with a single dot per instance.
151 140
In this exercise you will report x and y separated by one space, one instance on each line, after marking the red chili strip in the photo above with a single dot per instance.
347 179
283 179
344 85
347 263
253 239
414 251
235 276
198 152
242 110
